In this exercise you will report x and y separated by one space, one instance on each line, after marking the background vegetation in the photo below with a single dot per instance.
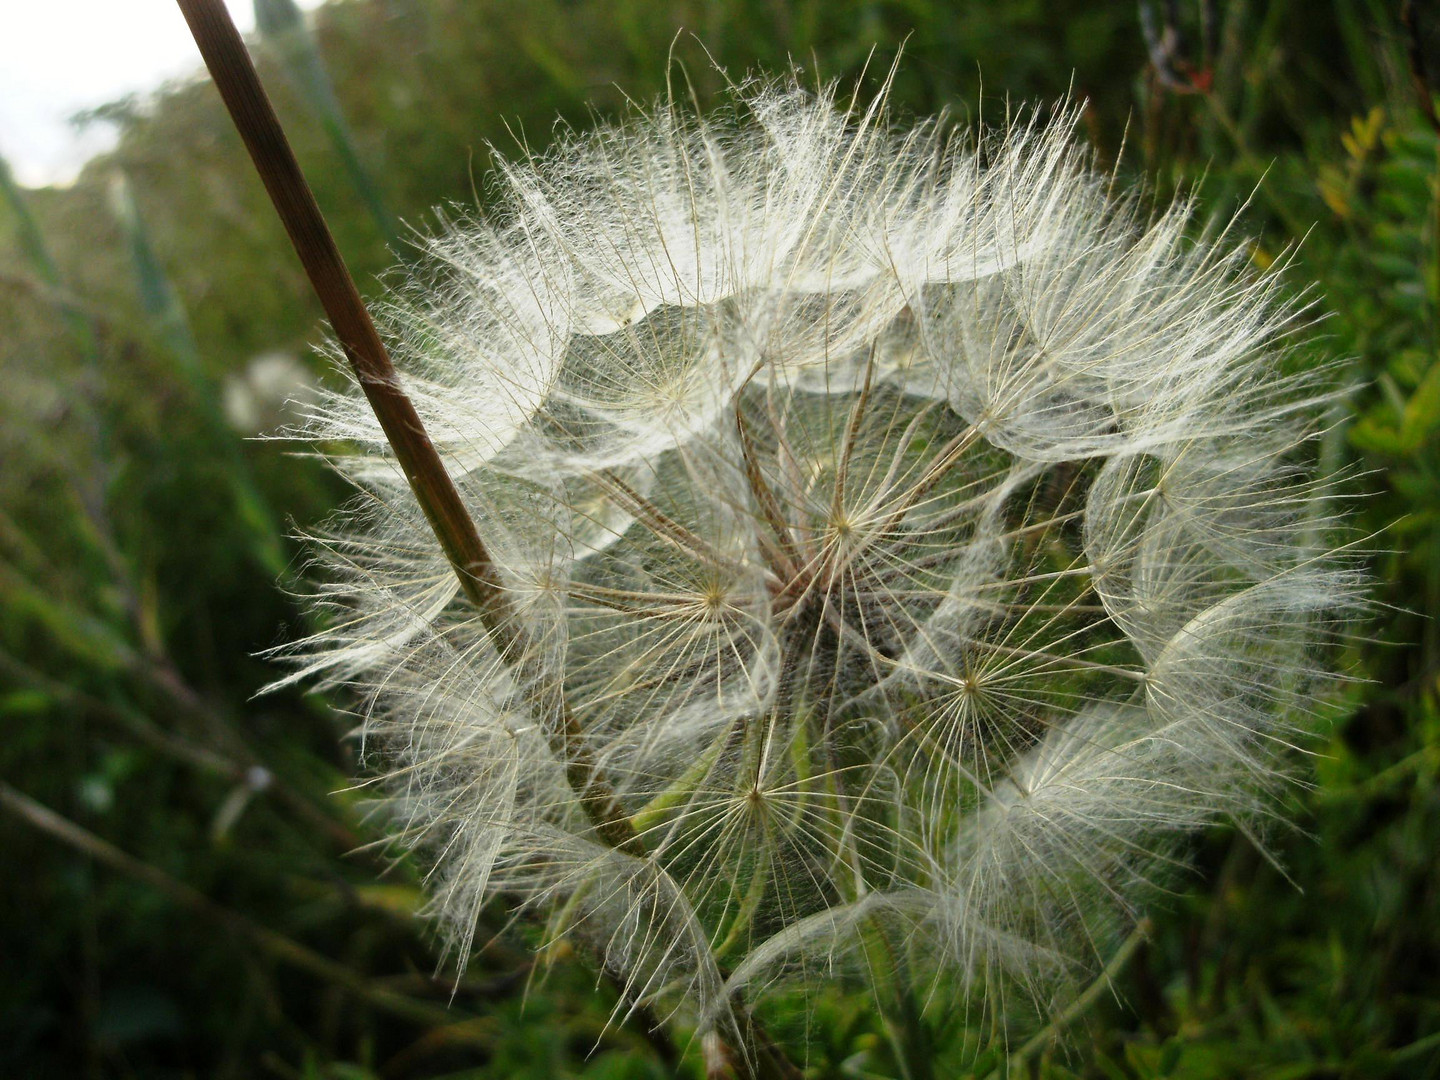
191 888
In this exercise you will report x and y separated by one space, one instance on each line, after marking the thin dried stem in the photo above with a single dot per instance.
239 85
254 117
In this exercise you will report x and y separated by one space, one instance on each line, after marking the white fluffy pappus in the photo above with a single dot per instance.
919 541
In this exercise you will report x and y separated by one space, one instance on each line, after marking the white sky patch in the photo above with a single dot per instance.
58 57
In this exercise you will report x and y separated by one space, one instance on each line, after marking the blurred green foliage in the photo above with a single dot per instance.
228 910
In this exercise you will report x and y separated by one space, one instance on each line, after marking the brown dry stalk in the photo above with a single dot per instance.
254 117
239 85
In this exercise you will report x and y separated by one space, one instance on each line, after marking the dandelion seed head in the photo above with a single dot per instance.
918 539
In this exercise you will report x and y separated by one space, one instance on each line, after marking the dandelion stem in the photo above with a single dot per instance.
239 85
254 117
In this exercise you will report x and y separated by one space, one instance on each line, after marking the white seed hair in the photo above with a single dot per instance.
921 538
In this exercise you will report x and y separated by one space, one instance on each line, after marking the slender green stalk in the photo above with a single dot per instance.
277 945
32 244
900 1012
236 762
167 314
1078 1007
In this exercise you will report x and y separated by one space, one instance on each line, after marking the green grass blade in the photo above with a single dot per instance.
282 26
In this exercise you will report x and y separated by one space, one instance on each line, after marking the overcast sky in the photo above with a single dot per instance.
60 56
